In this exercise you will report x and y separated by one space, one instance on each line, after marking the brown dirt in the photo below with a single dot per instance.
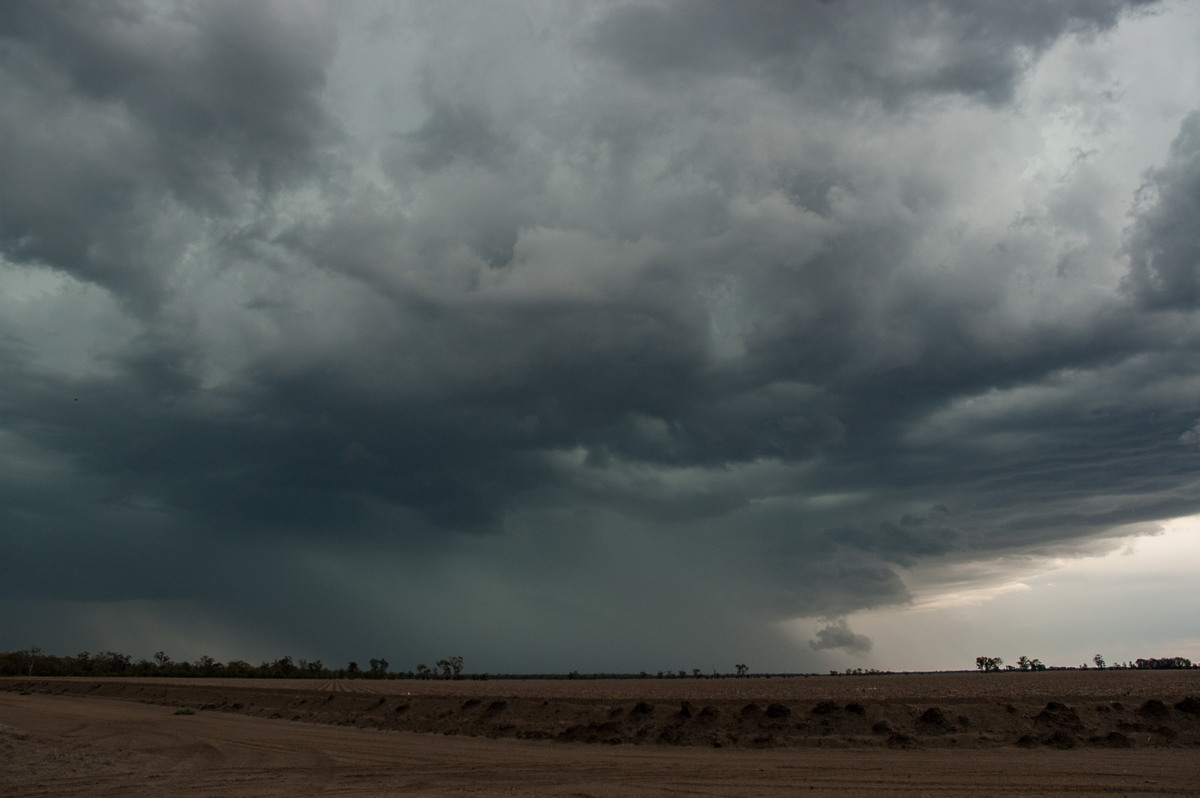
953 734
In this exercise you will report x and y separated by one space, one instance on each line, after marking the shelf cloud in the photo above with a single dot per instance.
584 336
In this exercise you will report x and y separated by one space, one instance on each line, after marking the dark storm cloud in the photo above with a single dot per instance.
839 635
452 133
978 49
216 83
559 355
1164 246
192 104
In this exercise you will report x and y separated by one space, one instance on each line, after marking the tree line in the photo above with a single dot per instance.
996 664
34 662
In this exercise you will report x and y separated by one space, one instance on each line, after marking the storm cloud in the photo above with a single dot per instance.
581 336
839 635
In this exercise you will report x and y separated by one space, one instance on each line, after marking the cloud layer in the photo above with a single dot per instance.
579 336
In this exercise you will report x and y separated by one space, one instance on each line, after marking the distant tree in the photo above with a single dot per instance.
239 669
1099 660
988 664
741 670
379 668
34 651
353 671
115 663
451 668
696 673
162 659
424 671
1163 663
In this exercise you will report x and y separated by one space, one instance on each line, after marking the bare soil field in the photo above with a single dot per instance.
1086 733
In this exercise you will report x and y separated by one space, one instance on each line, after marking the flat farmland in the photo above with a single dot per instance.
899 686
1083 732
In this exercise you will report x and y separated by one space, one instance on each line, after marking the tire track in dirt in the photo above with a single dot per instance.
345 686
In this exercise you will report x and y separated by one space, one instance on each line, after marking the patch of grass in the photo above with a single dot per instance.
185 711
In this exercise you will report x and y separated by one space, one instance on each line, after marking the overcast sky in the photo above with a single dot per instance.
600 336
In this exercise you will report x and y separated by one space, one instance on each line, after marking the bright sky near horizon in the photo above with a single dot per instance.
1139 600
601 336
